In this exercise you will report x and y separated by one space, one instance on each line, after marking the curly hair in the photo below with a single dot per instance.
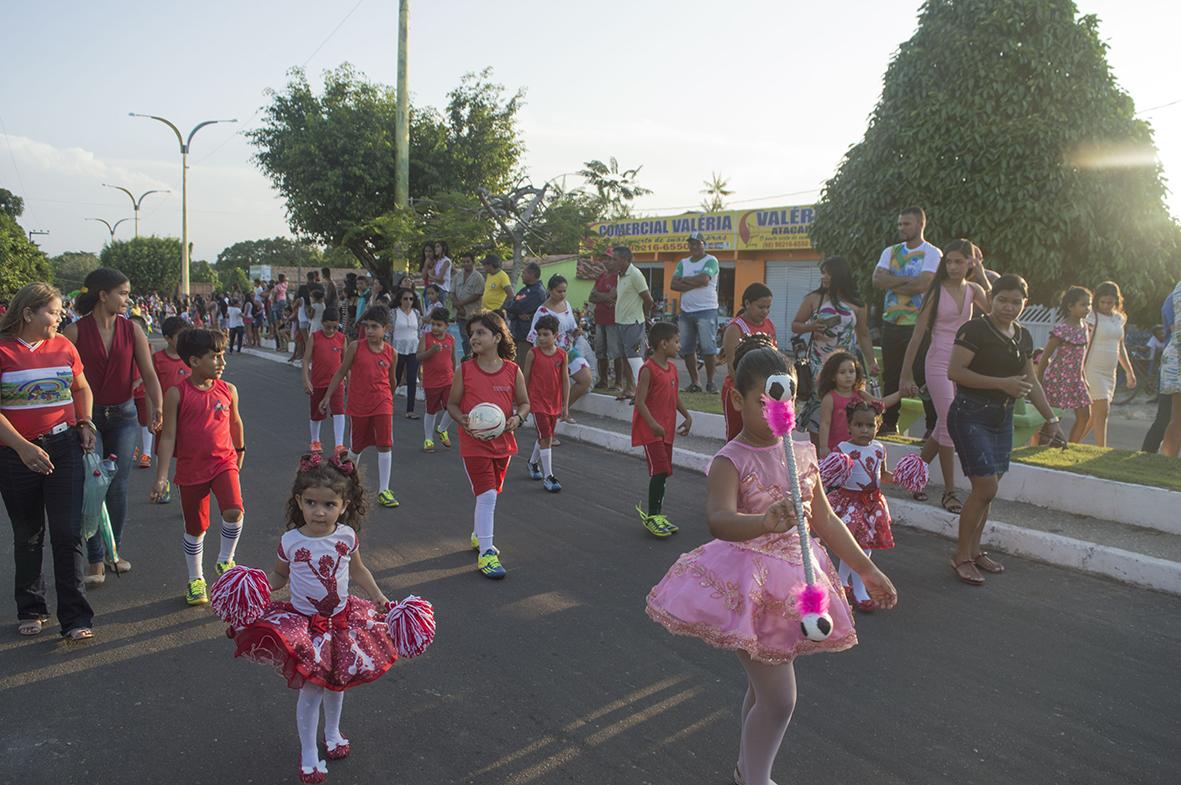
349 486
828 374
505 347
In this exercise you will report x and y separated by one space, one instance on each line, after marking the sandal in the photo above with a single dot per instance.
987 563
79 634
920 496
411 416
951 503
966 571
30 627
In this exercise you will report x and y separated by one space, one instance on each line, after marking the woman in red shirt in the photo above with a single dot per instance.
110 346
44 427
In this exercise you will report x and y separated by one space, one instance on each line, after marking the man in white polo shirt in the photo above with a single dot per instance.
696 278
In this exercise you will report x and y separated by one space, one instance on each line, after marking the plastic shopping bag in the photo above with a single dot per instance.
99 472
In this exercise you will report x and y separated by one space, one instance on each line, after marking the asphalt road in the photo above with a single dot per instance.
555 675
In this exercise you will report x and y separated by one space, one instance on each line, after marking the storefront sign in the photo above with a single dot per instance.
744 230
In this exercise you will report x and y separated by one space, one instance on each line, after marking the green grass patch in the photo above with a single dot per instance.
1141 468
702 402
910 441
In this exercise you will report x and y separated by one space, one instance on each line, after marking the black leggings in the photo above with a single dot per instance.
236 334
409 364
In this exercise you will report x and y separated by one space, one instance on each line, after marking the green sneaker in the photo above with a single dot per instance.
222 566
386 499
655 524
475 542
489 564
166 497
196 593
663 523
428 445
444 437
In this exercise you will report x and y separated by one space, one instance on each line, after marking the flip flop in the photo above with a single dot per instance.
30 627
80 634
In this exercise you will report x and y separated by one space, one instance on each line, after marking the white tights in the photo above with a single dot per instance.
766 710
848 577
307 721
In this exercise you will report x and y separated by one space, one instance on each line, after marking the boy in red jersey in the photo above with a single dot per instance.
171 370
204 429
488 377
321 358
654 421
369 365
548 383
436 353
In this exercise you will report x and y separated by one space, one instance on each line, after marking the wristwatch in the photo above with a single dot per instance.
87 424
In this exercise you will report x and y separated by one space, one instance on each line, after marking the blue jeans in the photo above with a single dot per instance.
982 431
118 433
699 331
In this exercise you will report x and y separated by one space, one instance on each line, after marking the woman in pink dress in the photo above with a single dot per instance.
946 307
736 591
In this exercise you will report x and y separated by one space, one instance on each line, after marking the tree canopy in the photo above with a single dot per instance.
276 251
152 263
71 268
11 204
1004 121
21 261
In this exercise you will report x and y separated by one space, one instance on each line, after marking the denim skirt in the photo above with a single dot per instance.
982 431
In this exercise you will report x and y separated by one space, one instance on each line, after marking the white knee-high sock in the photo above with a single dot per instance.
314 430
338 428
385 462
547 461
307 721
194 550
333 705
859 591
146 435
766 721
444 421
485 518
536 456
636 364
843 572
428 426
230 532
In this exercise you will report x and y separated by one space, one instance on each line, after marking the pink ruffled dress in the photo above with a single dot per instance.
323 636
739 595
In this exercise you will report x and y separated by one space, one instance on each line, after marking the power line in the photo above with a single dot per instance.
739 201
1162 106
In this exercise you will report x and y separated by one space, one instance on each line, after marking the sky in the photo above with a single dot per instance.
768 93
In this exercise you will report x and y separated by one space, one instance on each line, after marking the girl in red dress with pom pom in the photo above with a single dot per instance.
323 641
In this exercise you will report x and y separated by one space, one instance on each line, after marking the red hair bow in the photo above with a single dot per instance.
341 463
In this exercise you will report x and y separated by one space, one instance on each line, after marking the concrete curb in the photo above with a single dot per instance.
1125 566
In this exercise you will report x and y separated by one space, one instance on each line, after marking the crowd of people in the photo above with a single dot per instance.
951 335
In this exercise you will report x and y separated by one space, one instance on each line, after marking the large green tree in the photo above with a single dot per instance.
21 261
332 157
71 268
277 251
152 263
11 204
1003 119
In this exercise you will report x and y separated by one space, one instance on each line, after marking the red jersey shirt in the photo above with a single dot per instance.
662 405
327 355
438 370
204 448
499 388
545 381
766 327
605 312
170 370
36 382
369 381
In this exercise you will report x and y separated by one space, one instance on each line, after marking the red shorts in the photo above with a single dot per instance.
194 500
436 399
486 473
545 424
141 411
660 458
733 416
335 403
376 431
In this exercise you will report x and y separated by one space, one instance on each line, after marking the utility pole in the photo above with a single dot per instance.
135 203
402 117
184 189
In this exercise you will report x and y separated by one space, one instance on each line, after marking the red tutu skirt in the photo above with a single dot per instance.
867 516
340 652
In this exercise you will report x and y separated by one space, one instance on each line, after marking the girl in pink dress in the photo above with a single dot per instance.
323 641
736 591
946 308
1060 368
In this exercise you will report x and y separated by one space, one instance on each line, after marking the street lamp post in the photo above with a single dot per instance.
135 203
110 227
184 189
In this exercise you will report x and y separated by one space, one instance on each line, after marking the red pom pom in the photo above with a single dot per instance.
835 469
412 625
240 596
811 598
911 473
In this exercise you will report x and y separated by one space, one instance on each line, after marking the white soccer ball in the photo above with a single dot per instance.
780 387
486 421
816 626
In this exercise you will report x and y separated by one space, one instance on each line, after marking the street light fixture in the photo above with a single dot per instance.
135 203
33 232
110 227
185 143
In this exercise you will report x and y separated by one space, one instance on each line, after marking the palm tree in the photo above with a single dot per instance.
715 194
614 190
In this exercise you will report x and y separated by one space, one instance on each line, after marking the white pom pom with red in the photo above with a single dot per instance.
835 469
240 596
412 625
911 473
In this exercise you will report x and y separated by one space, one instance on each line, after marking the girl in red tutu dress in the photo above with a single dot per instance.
859 502
323 641
736 591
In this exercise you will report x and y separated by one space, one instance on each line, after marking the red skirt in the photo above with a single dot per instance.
353 648
866 514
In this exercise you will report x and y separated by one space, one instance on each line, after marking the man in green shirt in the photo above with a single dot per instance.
633 304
